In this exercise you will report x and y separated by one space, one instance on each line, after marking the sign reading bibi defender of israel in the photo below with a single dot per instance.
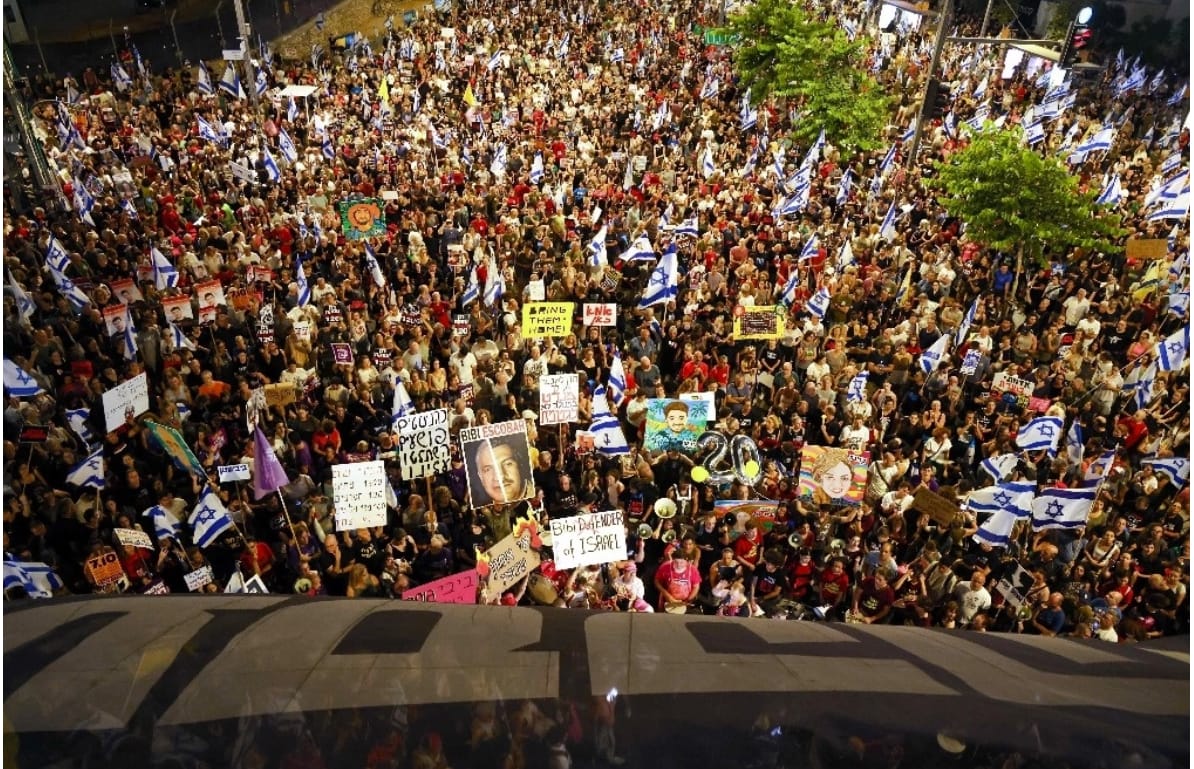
359 493
674 424
497 459
423 448
591 538
559 399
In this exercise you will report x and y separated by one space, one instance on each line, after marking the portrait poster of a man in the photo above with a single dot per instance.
674 424
497 458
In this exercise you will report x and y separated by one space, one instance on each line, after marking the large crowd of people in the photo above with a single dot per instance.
518 154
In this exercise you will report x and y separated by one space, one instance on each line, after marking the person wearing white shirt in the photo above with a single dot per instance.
896 501
973 597
1075 308
463 364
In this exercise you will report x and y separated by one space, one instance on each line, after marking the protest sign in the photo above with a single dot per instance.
178 309
536 291
508 561
600 314
935 506
342 353
674 424
130 398
833 476
759 322
359 495
280 394
1147 248
1015 587
254 585
265 324
497 460
587 539
198 578
762 512
104 569
586 442
157 588
460 325
126 292
333 313
458 588
362 218
610 279
116 319
133 538
233 473
34 433
211 294
559 398
302 330
423 448
1020 389
547 319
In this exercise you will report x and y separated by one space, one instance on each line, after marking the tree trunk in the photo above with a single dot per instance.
1007 305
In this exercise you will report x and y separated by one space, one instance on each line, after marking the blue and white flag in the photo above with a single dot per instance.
77 419
856 392
845 255
843 187
19 382
73 294
537 169
375 272
230 83
1014 496
472 292
1112 194
304 288
128 342
640 250
971 362
84 202
1000 467
997 530
616 382
287 146
1098 470
203 82
967 322
951 124
164 274
262 82
207 132
818 304
1034 133
887 229
710 88
89 473
1062 508
127 206
120 78
1075 444
326 148
664 282
708 168
1171 163
814 152
26 307
596 249
271 166
888 161
1040 433
210 518
1177 469
608 437
403 405
1179 303
931 358
495 60
498 166
292 110
495 286
37 579
1178 95
1100 142
165 525
812 248
788 297
1144 386
748 117
909 134
1171 352
179 338
980 90
688 227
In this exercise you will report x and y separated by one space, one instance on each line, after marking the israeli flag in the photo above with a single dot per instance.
788 297
326 147
165 525
287 146
1132 82
1171 163
1176 207
164 274
262 82
845 255
495 286
1178 96
1034 133
951 124
89 473
25 305
814 152
1062 508
812 248
707 166
1179 304
596 249
664 282
608 437
230 83
888 161
120 78
472 291
710 89
209 519
616 383
843 187
1075 444
498 166
371 264
887 229
403 405
997 530
73 294
203 82
127 206
909 134
688 227
790 205
856 392
1177 469
1112 194
931 358
537 169
1000 467
1014 497
1040 433
37 579
640 250
207 132
84 202
77 419
1098 470
778 158
271 165
618 56
1100 142
1171 352
818 305
980 90
19 382
748 117
304 288
495 60
967 322
180 340
129 340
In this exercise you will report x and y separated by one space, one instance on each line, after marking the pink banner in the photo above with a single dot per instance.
1039 404
458 588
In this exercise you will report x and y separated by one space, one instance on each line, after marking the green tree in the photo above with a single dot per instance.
783 52
1015 200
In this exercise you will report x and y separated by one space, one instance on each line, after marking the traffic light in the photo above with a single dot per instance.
1076 39
937 100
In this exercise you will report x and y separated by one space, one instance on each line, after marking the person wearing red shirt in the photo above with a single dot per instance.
695 366
749 547
678 581
1134 429
721 372
835 583
257 558
873 599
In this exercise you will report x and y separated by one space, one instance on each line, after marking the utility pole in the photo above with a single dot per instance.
242 28
14 99
943 21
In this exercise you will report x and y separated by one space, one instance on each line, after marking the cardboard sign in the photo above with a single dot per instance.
458 588
342 353
126 399
509 561
198 578
359 494
255 585
1147 248
497 461
233 473
600 314
937 507
587 539
157 588
759 322
280 394
133 538
609 280
423 444
460 325
34 433
105 569
559 399
547 319
302 330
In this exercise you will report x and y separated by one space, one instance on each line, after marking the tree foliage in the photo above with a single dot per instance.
783 52
1016 200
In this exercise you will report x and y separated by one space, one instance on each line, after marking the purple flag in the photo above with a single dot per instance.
268 475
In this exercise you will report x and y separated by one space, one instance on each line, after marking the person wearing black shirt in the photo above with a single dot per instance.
333 566
769 582
366 550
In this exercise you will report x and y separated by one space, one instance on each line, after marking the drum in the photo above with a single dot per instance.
676 607
542 590
853 619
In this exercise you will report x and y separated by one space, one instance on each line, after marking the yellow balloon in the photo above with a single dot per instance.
751 468
700 474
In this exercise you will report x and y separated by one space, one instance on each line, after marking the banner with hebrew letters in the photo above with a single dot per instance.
359 494
423 444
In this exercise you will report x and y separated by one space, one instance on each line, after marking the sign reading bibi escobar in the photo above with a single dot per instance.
423 444
497 459
359 490
591 538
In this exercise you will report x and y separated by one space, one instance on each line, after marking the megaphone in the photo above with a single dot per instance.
669 536
644 530
837 546
665 508
795 541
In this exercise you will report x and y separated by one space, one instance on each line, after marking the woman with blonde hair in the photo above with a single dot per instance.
833 475
362 584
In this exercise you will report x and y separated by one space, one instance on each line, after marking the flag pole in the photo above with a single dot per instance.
430 503
286 513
